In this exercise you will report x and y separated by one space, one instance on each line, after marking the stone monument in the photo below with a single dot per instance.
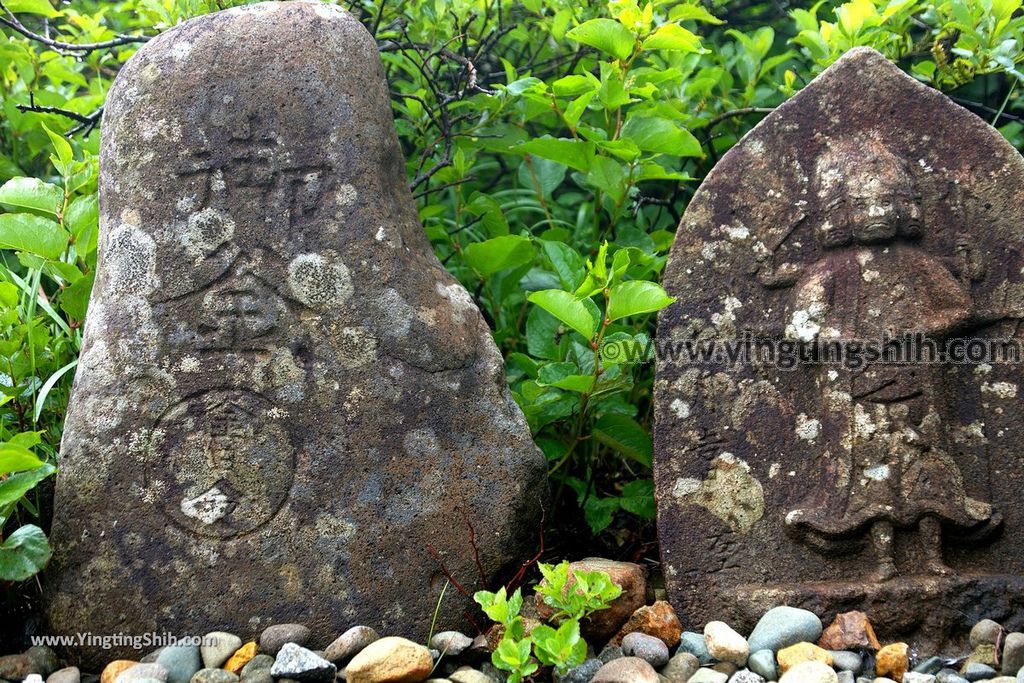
284 404
868 208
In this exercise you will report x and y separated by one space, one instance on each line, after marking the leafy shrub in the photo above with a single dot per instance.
552 146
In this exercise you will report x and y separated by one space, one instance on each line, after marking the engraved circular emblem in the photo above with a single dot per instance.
221 462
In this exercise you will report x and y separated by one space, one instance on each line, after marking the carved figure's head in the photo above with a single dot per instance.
868 195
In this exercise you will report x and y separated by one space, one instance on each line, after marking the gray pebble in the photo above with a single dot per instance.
350 643
296 662
681 667
582 673
781 627
1013 653
978 672
275 637
142 671
257 664
451 643
648 648
763 664
985 632
1020 675
846 677
214 676
746 676
468 674
217 648
695 644
181 661
69 674
708 676
152 656
609 653
931 665
918 677
949 676
844 660
626 670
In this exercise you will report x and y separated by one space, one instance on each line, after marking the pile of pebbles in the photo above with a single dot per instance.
643 643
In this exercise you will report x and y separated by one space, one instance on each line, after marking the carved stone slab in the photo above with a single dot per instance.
283 399
868 205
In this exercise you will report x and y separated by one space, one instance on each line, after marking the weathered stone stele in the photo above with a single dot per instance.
282 397
867 205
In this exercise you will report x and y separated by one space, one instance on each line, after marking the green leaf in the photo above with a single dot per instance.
8 294
576 154
34 234
625 435
599 512
635 297
42 7
542 337
567 262
673 37
566 308
74 300
32 193
16 458
694 12
17 485
638 498
498 253
607 175
661 136
64 155
24 553
565 376
606 35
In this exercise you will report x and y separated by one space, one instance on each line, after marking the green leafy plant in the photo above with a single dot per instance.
574 596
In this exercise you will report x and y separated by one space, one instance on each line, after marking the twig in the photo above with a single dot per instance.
738 112
11 21
444 570
476 550
86 121
518 578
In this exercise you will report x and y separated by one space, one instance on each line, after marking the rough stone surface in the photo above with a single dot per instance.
299 664
850 630
626 670
893 661
867 204
658 620
810 672
281 391
38 659
217 648
725 644
974 671
984 653
241 658
603 624
1013 653
583 673
210 675
746 676
917 677
802 652
931 665
390 660
784 626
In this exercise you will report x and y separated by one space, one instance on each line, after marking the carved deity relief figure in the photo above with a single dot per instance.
886 425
